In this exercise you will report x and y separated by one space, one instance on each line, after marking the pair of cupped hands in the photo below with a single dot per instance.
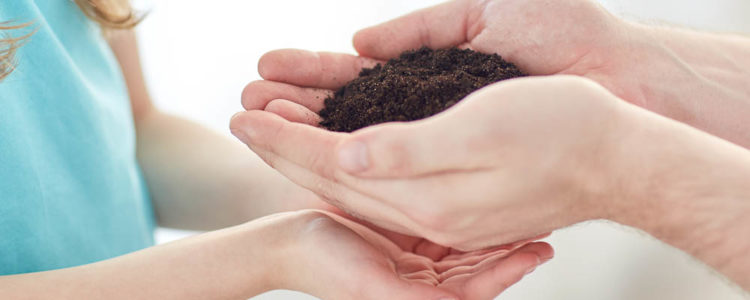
511 162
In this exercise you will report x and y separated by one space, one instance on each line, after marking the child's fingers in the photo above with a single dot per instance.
312 69
258 94
471 259
431 250
494 279
458 255
293 112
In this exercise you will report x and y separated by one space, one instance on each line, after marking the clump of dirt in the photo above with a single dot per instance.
416 85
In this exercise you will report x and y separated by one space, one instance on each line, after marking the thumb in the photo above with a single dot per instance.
447 142
439 26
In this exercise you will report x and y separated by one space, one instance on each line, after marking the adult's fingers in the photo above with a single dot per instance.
312 69
310 152
349 201
307 146
439 26
258 94
293 112
451 141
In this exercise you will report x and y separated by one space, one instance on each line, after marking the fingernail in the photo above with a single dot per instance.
448 298
353 157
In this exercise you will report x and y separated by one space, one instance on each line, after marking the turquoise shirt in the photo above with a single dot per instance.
71 191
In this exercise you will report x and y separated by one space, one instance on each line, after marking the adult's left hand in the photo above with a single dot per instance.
512 161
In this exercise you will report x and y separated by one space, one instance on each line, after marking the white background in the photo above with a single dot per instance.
198 55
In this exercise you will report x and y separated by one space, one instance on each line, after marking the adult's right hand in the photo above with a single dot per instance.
696 78
542 37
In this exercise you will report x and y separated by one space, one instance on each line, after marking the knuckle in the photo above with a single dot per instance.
391 153
398 161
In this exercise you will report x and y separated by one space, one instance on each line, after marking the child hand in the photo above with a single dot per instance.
331 257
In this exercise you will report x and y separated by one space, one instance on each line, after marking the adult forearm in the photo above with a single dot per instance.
227 264
691 190
700 78
201 180
723 57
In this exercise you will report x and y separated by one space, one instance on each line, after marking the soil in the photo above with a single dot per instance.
416 85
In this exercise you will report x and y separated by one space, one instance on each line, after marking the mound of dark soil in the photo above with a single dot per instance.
416 85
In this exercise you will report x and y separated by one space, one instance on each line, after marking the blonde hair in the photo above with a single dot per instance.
111 14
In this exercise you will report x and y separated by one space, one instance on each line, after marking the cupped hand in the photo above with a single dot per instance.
335 258
512 161
542 37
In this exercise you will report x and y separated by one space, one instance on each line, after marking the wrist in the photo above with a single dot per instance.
647 72
694 77
286 255
275 238
686 188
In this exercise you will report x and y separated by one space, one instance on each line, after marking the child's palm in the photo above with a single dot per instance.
400 267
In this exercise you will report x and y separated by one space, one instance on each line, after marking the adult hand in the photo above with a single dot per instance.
522 157
323 252
696 78
678 82
541 37
498 167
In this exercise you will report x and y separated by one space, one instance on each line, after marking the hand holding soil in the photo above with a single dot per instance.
527 156
656 68
520 158
560 37
491 162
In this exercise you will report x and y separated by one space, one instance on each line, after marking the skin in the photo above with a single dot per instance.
304 250
524 157
693 77
532 155
312 250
